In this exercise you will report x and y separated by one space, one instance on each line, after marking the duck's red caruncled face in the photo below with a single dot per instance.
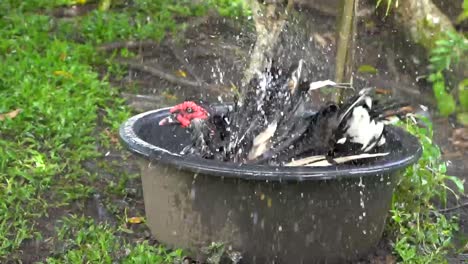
184 113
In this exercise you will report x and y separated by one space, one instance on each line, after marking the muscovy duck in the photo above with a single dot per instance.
339 131
272 109
223 135
209 127
274 123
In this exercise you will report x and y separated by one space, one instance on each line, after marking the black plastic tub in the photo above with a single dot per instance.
269 214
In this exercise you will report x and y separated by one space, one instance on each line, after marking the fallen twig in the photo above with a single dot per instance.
141 103
11 114
73 11
158 73
217 89
132 44
453 208
143 97
150 43
187 66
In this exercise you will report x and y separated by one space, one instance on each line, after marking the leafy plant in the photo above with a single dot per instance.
443 58
218 252
422 234
445 101
448 51
463 94
215 252
464 15
145 253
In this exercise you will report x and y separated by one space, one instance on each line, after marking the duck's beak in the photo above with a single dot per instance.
169 120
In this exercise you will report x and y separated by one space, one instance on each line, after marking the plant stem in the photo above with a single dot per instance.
345 48
453 208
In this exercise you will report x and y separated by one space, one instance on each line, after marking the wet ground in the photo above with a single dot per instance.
209 57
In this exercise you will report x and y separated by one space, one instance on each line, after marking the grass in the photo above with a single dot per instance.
60 93
43 147
52 100
419 232
84 241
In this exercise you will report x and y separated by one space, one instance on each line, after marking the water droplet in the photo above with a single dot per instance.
192 193
254 218
296 227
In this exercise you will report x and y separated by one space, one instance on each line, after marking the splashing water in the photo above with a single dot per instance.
361 201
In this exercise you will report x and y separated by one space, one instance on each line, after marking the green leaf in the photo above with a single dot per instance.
104 5
440 50
443 168
435 77
462 118
126 230
464 15
443 42
367 69
463 94
445 101
458 182
439 89
446 105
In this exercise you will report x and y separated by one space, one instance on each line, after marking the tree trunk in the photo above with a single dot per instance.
346 36
423 21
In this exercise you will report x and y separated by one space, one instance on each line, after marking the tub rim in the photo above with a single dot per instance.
153 153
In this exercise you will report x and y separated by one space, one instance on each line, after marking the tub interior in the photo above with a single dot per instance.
173 138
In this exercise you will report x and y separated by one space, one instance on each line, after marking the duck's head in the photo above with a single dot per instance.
184 114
